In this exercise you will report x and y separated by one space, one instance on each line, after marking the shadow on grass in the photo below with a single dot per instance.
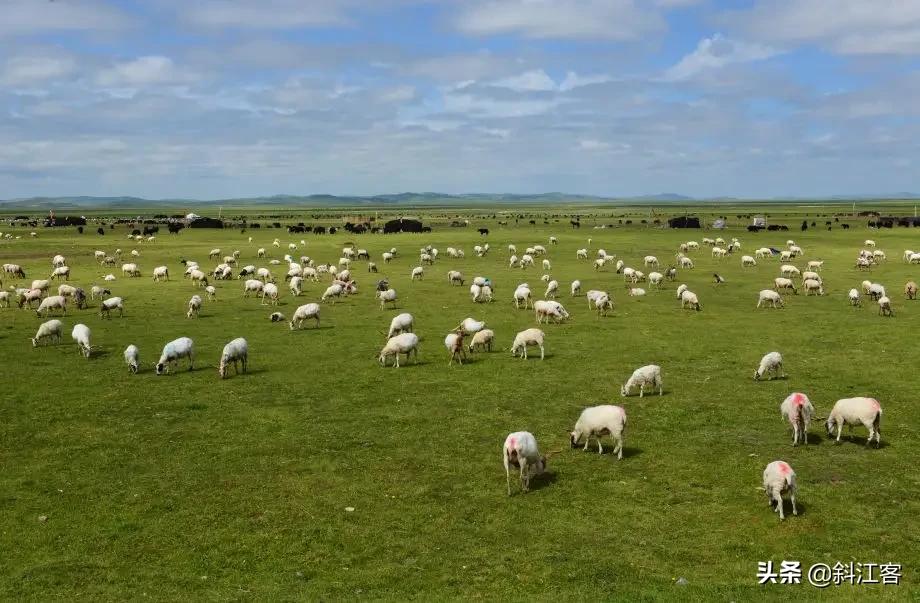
787 508
856 440
314 328
545 479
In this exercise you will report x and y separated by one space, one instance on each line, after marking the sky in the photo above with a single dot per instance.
234 98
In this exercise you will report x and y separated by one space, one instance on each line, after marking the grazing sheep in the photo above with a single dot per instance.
131 270
482 339
581 254
276 317
813 286
797 409
404 343
160 272
525 338
454 344
686 262
27 296
688 299
62 272
305 312
856 411
132 358
522 294
869 243
576 288
112 303
58 260
417 273
551 289
270 291
5 299
772 362
599 263
650 260
647 375
194 307
520 451
546 310
470 326
884 306
772 297
182 347
455 277
81 335
603 303
42 285
876 291
547 265
670 273
747 260
387 297
815 265
680 290
635 291
910 290
655 279
237 351
598 421
779 481
198 277
788 270
97 291
853 297
52 330
52 302
401 323
784 283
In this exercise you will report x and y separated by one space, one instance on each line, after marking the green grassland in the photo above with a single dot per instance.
190 487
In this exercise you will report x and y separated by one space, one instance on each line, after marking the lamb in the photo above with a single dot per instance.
797 409
482 339
52 302
194 307
270 290
598 421
386 256
910 290
182 347
547 265
773 363
647 375
779 481
401 323
214 253
404 343
688 299
869 243
385 297
246 271
132 358
549 309
42 285
455 277
525 338
237 351
853 297
636 291
581 254
160 272
265 275
576 287
454 344
522 294
884 306
812 276
112 303
513 262
52 329
520 451
813 286
551 289
855 411
81 335
305 312
771 297
599 263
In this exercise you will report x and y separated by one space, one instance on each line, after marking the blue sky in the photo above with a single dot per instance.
225 98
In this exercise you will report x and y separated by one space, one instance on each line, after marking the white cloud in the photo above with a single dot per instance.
620 20
481 107
143 71
463 67
25 17
573 80
535 80
590 144
31 70
714 53
264 14
854 27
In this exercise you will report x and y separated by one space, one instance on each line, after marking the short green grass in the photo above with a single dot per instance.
189 487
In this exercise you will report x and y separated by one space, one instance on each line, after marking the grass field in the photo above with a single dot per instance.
189 487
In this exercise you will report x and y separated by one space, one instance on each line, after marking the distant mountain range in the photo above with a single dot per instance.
408 199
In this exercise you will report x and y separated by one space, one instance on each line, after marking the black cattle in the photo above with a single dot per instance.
845 226
333 230
175 227
297 229
100 230
483 231
319 230
402 225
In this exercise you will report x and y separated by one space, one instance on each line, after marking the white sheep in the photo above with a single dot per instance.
132 358
62 272
770 363
798 410
270 291
97 291
813 286
305 312
853 297
52 302
522 294
646 375
876 291
401 323
576 287
688 299
784 283
525 338
551 289
856 411
815 265
211 291
198 277
772 297
237 351
884 306
581 254
635 291
387 297
112 303
779 481
404 343
680 290
603 303
598 421
655 279
182 347
455 277
520 451
160 272
546 310
471 326
81 335
482 339
417 273
194 307
52 329
454 344
131 270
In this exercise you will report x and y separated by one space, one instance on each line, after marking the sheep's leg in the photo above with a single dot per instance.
587 441
600 448
525 475
541 352
641 389
619 448
508 476
779 505
795 511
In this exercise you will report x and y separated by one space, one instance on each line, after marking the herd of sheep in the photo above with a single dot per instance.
520 451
